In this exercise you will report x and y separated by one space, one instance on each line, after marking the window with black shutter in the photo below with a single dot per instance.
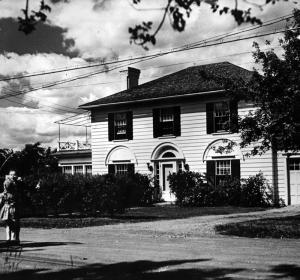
120 126
166 121
121 168
221 117
218 172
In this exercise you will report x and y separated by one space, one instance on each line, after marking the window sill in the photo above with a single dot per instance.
120 140
221 132
166 136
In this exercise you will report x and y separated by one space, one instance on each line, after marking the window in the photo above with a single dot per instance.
222 117
223 171
166 121
67 169
168 155
120 126
78 169
88 169
121 169
218 171
294 164
157 172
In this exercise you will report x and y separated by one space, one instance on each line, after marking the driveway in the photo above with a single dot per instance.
167 249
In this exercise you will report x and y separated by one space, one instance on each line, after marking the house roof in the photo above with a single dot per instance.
196 79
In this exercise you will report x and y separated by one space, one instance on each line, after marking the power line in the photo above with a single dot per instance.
188 46
76 78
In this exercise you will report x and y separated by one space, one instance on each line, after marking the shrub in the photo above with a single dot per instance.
256 192
61 193
191 190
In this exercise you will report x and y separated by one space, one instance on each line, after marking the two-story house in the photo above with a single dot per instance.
180 121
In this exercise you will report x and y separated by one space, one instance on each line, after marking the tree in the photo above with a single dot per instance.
275 123
33 159
178 11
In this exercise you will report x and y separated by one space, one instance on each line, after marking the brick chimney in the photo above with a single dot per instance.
133 75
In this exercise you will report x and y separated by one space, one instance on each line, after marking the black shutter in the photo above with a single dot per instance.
131 169
156 130
234 116
111 169
235 169
111 127
211 172
177 122
209 118
129 129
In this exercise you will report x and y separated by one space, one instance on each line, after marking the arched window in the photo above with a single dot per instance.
168 155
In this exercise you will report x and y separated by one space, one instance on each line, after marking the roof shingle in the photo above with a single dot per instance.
194 79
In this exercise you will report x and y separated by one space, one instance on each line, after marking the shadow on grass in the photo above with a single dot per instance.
4 247
134 215
287 271
128 271
282 227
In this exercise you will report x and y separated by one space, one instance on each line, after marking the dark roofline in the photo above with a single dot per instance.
150 99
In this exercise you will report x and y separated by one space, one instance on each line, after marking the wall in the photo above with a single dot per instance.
193 140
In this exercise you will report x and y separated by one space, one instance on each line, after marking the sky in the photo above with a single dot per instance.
78 32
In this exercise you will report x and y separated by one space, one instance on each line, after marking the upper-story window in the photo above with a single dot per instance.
166 121
221 117
120 126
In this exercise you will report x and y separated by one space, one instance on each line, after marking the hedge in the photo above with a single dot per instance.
191 189
90 195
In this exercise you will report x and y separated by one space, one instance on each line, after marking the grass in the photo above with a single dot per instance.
134 215
283 227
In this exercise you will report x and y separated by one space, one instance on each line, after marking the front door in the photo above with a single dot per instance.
167 169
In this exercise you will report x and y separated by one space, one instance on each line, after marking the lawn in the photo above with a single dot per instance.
283 227
133 215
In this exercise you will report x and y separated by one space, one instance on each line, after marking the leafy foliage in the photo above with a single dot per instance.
93 195
179 11
191 190
275 123
33 159
28 22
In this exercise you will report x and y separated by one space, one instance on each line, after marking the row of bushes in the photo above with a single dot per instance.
111 194
191 189
91 195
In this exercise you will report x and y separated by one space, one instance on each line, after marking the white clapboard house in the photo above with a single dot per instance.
175 123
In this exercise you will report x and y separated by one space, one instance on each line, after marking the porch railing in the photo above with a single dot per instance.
74 146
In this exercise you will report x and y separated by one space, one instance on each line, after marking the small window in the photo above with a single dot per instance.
120 124
223 171
157 172
88 169
67 169
78 169
121 169
294 164
166 121
221 116
168 155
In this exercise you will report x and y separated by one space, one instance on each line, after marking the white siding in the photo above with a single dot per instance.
193 142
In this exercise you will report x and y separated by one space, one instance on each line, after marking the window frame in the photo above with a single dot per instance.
227 116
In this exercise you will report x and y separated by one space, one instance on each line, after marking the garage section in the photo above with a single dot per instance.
294 170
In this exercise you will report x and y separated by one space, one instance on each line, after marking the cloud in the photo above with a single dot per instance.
91 31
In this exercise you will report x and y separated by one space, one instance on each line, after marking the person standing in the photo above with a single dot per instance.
10 202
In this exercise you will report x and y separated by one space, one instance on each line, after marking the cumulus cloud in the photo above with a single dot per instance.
91 31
